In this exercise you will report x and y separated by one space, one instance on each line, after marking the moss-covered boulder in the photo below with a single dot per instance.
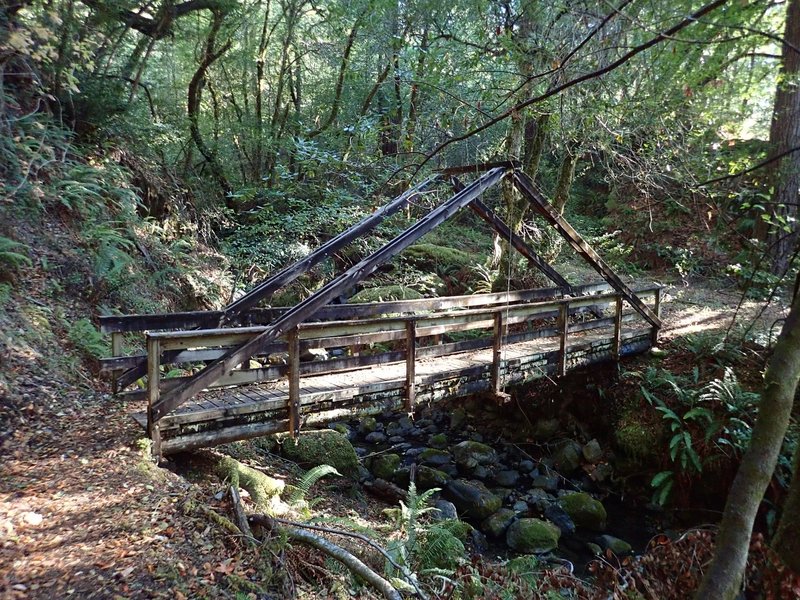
585 511
428 478
434 458
472 499
439 441
439 548
469 454
385 293
326 447
384 466
497 524
532 535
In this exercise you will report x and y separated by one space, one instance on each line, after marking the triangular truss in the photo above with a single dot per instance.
468 195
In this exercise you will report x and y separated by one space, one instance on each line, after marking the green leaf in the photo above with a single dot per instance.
660 478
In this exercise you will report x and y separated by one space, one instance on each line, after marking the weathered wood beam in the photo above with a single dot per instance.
525 185
479 167
310 305
411 364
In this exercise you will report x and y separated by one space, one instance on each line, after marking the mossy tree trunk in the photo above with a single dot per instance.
723 579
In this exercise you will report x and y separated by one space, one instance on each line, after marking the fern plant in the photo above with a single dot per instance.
12 257
299 492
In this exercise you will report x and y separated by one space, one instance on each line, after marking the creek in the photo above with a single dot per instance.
528 485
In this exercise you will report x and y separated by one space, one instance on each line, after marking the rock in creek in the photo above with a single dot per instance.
616 545
585 511
592 452
376 437
470 454
311 354
384 466
444 511
428 478
559 517
496 525
532 535
324 447
472 499
507 478
567 458
433 457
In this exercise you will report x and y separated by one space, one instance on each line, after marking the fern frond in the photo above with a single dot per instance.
308 480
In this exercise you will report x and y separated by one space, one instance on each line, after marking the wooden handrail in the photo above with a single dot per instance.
110 324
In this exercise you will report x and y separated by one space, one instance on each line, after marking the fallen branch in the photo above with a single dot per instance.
334 551
409 577
241 516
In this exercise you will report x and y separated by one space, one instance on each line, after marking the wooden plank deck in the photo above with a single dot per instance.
225 414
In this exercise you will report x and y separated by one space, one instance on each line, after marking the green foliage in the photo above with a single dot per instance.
300 491
12 258
705 421
86 338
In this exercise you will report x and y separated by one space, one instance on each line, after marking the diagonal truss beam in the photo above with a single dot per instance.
292 272
323 296
505 232
289 274
545 209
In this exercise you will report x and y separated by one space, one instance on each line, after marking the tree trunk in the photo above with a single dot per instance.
724 577
210 55
781 235
787 540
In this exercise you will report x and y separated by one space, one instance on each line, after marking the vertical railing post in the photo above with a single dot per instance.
116 350
497 352
617 347
563 326
657 310
153 383
294 382
411 364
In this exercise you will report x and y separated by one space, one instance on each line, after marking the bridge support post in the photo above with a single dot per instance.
497 353
153 383
657 310
294 382
116 350
563 326
411 364
617 343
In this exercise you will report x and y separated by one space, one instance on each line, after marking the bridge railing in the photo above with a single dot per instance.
129 330
402 336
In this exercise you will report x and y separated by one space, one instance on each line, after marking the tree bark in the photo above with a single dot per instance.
210 55
724 577
787 540
784 174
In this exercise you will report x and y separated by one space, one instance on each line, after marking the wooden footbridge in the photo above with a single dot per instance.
217 376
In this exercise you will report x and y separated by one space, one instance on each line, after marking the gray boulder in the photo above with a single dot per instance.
470 454
472 499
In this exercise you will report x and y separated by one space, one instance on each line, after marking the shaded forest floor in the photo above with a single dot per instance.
83 513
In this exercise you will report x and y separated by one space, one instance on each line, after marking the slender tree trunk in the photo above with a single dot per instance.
210 55
782 235
535 136
258 152
413 104
723 579
565 177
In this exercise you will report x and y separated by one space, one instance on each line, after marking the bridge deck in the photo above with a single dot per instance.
226 414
